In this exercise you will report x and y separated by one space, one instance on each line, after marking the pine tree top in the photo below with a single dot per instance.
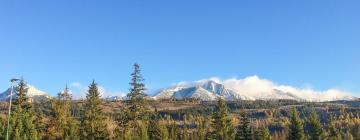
93 92
21 93
65 94
137 87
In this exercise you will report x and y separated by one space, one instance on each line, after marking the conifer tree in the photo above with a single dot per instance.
262 133
156 130
202 127
265 133
41 121
185 133
223 128
172 129
122 118
21 97
2 128
244 129
333 132
22 121
93 126
142 130
357 133
137 95
296 128
137 111
315 128
72 130
63 124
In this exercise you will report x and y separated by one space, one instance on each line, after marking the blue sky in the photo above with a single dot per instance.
300 43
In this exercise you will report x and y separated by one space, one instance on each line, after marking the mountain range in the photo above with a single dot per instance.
211 90
250 88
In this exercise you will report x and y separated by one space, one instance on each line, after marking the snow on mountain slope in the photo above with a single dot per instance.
207 91
33 92
216 88
113 98
168 93
249 88
223 92
195 92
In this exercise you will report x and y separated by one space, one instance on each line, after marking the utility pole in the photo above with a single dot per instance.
9 114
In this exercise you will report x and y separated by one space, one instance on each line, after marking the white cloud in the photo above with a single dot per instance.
186 83
105 93
75 84
78 90
252 85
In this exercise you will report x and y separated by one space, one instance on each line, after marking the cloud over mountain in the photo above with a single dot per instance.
253 87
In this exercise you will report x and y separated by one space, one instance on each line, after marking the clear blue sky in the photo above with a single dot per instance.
53 43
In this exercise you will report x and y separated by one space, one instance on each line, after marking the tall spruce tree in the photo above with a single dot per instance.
223 128
137 95
93 123
138 111
64 126
244 129
22 120
296 128
315 128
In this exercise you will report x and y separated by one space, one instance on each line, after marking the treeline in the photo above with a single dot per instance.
62 119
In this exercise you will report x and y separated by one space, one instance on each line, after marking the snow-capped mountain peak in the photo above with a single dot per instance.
209 90
213 86
32 92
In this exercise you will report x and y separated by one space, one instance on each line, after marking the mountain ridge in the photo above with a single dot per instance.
210 90
250 88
